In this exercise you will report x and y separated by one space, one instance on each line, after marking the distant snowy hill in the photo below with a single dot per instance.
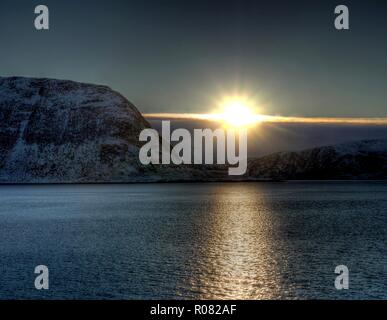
357 160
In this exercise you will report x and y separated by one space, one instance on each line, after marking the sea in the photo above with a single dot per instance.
242 240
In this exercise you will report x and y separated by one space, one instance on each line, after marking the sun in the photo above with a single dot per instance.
237 112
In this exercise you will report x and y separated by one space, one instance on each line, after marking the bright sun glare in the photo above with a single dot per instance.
237 112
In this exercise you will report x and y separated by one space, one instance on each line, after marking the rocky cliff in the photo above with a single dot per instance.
64 131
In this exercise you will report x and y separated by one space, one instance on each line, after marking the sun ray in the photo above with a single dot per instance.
237 111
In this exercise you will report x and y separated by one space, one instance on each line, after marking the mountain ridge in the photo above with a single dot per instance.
364 160
62 131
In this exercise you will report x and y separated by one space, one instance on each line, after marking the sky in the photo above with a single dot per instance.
181 56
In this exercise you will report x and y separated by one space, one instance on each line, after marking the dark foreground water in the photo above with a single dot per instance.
202 241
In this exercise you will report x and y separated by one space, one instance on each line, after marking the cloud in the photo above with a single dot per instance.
272 119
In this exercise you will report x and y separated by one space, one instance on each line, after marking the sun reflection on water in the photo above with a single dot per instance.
235 257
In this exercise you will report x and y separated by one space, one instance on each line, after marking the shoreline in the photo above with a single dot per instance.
180 182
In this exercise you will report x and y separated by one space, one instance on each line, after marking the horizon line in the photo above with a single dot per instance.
271 119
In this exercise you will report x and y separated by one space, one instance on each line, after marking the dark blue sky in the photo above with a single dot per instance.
178 56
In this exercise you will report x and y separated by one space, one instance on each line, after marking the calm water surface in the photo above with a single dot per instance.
194 241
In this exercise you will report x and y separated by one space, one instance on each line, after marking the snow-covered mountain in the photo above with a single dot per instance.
57 131
64 131
356 160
